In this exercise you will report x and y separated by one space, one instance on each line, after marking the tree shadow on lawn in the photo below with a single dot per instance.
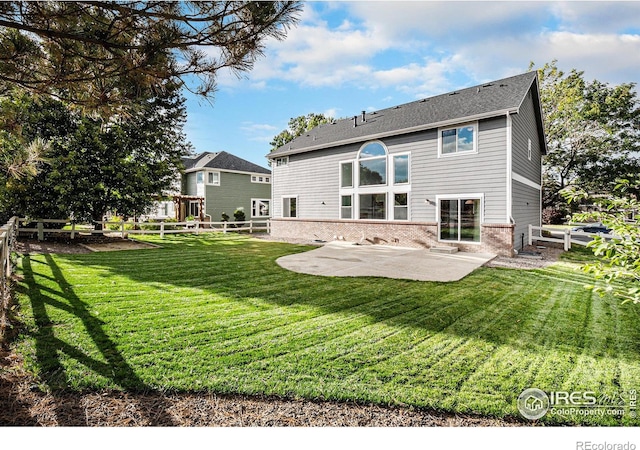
524 310
539 309
49 348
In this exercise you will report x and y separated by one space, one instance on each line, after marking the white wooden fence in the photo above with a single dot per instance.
566 237
126 228
8 234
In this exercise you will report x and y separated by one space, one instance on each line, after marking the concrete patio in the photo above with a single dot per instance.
346 259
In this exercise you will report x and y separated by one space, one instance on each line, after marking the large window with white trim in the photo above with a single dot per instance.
376 184
460 218
260 207
373 206
372 161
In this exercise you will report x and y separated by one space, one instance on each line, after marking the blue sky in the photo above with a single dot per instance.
346 57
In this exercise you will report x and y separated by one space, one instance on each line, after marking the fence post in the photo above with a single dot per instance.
224 227
122 228
73 230
162 229
567 240
251 227
6 263
197 227
268 226
40 231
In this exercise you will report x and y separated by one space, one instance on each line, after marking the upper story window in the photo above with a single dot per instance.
401 169
346 174
260 179
279 162
372 161
456 140
213 178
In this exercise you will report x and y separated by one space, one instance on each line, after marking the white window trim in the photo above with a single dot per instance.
282 161
266 179
393 206
459 197
457 153
353 173
206 178
356 166
282 206
268 200
350 193
392 170
389 189
529 151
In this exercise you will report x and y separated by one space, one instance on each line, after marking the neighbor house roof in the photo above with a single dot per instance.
474 103
221 161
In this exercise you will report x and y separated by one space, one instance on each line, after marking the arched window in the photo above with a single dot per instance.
372 161
375 185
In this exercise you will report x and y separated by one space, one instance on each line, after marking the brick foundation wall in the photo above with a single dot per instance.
495 238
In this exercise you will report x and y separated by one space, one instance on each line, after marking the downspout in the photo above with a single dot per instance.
509 169
509 184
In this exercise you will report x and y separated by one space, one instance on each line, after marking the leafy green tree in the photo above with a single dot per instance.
592 130
94 166
101 55
298 126
619 264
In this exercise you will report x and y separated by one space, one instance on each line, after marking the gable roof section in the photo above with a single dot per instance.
221 161
464 105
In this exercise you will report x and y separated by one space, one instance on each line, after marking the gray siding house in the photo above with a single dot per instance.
461 169
216 183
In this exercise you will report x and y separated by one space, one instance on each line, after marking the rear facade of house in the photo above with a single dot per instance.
462 169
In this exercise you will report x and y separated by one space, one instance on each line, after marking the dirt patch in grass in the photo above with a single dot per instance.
81 244
22 403
549 254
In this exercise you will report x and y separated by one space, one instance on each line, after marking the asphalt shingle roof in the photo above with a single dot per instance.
222 161
496 97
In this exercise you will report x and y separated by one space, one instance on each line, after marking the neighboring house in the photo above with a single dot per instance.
460 169
217 183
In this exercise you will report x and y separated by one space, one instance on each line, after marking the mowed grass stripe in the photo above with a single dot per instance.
216 313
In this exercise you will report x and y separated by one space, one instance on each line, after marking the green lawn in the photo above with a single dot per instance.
215 313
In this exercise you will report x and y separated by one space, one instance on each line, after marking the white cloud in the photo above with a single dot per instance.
249 126
425 48
331 112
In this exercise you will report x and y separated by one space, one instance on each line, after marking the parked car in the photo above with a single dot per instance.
593 228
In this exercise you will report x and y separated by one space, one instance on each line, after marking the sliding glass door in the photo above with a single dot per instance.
459 219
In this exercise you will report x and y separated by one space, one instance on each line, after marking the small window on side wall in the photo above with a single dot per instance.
284 161
289 207
213 178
